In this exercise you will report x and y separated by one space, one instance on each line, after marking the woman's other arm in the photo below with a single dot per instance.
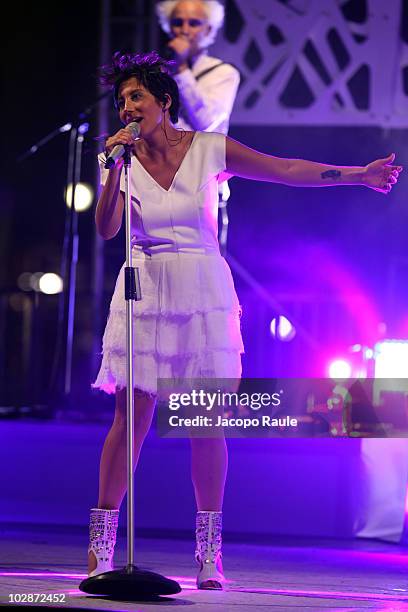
245 162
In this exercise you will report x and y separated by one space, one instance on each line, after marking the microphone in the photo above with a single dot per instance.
118 151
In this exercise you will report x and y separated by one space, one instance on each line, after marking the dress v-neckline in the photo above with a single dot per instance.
177 171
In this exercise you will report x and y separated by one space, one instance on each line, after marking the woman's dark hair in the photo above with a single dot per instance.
151 70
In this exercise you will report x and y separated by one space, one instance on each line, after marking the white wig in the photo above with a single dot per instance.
215 12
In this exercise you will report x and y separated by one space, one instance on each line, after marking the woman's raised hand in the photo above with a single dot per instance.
381 175
122 137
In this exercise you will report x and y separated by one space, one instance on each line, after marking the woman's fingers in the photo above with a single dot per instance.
123 137
390 177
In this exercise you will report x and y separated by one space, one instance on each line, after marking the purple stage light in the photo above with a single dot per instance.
357 361
339 369
345 595
186 582
318 266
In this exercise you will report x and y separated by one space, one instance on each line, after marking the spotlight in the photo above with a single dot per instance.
391 359
65 128
282 329
339 369
50 283
83 196
391 371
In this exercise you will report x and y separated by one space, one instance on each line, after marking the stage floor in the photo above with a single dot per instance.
284 574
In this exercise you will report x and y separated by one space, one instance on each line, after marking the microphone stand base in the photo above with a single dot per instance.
130 583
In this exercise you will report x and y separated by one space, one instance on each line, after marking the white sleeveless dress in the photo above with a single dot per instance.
187 324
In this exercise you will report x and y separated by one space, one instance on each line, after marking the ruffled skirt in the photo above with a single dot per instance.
186 326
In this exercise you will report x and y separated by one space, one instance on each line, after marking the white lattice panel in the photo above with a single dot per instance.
311 62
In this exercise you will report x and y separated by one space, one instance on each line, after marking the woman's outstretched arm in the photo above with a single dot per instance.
379 175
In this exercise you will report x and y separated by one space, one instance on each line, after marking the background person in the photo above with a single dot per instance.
207 85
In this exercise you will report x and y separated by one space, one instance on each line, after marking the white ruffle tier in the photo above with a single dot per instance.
187 325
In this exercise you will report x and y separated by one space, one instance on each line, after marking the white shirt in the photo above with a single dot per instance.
206 104
184 217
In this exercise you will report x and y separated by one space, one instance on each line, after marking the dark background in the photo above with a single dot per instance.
49 77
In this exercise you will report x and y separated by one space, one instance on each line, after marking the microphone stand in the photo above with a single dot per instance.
34 148
130 582
69 258
74 175
71 241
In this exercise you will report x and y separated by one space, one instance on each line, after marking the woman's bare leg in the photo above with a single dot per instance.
209 464
113 464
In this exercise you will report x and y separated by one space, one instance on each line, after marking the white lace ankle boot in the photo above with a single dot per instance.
208 550
103 526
